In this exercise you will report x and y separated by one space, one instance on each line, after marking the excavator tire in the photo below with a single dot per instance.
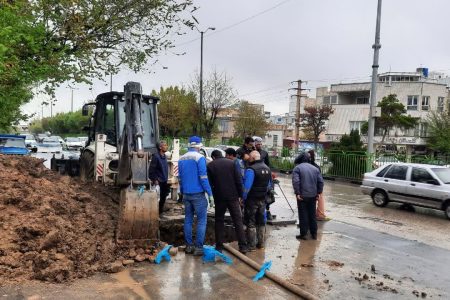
87 167
138 216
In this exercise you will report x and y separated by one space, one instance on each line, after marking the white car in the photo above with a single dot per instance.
415 184
206 152
31 142
384 160
50 145
74 143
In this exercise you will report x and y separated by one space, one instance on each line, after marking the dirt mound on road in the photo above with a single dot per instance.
53 227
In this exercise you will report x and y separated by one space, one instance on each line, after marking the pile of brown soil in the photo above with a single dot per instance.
53 227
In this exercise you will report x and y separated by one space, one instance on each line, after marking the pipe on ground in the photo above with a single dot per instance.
289 286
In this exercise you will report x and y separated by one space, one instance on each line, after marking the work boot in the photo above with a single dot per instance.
243 249
260 232
189 249
198 251
251 238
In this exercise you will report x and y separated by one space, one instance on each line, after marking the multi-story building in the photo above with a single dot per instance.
419 92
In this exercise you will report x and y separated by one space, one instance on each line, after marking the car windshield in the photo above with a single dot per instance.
10 142
443 174
29 137
72 139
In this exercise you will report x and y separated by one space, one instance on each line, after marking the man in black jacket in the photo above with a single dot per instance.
226 185
258 180
158 173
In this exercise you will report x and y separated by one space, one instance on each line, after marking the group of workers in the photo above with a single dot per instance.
240 182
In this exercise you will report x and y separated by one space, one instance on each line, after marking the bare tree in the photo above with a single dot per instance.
218 93
314 119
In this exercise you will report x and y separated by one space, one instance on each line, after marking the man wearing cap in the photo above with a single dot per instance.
264 154
194 184
265 158
308 185
256 184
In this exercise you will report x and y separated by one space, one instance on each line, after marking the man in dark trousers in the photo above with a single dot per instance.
256 184
265 158
226 185
308 185
158 173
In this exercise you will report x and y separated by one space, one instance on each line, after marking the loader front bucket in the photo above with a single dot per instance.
138 216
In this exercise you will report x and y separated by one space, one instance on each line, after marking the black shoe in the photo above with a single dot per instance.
243 250
198 251
301 237
189 249
314 236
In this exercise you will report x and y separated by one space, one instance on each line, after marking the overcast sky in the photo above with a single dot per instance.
319 41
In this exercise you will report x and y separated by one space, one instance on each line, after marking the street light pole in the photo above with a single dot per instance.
201 84
201 75
373 89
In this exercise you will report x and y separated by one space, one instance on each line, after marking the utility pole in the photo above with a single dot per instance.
71 100
297 112
373 89
110 82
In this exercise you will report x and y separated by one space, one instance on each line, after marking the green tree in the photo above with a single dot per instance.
51 42
439 131
314 120
348 157
177 111
393 115
61 123
250 120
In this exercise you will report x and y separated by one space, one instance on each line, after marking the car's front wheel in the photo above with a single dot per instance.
447 210
380 198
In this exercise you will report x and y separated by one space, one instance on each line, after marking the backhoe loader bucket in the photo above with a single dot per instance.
138 216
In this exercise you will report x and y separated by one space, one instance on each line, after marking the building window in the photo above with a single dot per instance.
330 99
423 129
412 102
440 104
356 125
362 100
425 102
275 140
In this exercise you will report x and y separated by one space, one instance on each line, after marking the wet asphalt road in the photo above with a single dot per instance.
410 252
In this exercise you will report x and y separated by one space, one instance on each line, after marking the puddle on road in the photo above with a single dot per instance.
126 280
378 220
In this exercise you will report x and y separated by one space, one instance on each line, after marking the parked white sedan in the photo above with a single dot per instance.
415 184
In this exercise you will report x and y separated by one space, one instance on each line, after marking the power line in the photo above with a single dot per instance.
237 23
263 90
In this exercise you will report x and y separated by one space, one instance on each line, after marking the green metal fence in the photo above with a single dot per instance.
353 165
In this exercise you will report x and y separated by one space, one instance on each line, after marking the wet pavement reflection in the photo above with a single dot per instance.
364 252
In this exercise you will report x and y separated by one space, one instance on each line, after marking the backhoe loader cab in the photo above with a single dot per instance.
108 120
123 133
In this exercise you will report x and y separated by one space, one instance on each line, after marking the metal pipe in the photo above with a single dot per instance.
289 286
